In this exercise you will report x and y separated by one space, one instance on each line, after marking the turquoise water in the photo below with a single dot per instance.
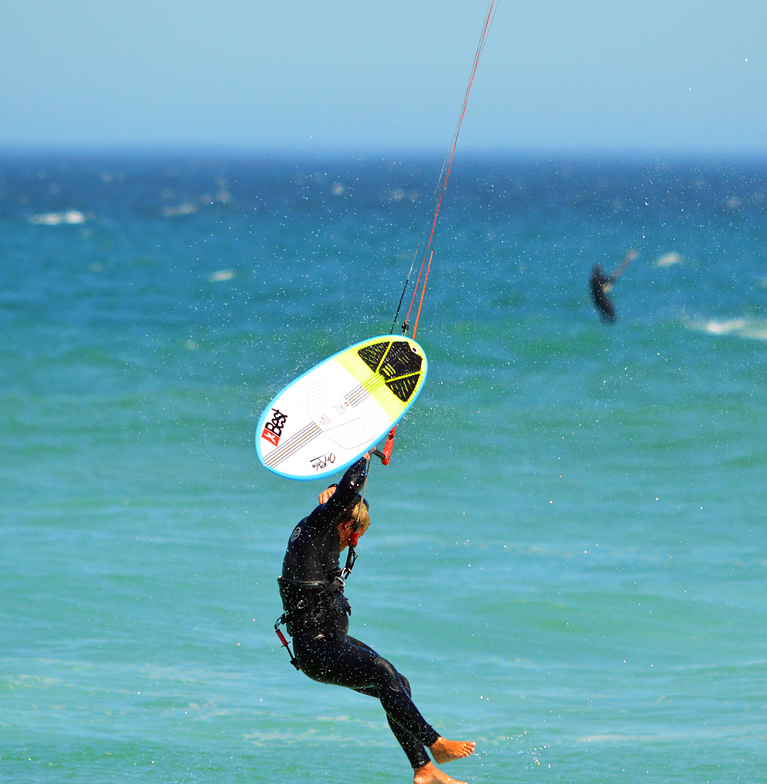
568 548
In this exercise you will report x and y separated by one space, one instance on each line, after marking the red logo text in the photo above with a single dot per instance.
273 430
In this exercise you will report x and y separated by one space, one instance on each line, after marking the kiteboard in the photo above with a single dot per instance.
331 415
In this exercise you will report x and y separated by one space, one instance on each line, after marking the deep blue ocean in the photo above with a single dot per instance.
568 551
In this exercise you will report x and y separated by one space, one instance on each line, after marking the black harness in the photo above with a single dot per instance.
336 584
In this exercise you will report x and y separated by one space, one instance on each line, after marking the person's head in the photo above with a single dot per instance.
358 521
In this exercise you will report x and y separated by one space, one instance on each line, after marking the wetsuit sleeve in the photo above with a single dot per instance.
339 504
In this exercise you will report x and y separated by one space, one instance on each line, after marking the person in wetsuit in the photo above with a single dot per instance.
601 284
317 617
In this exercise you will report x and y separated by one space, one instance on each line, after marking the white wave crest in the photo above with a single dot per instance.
742 328
57 218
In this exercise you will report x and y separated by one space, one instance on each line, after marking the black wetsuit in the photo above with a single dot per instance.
600 285
317 615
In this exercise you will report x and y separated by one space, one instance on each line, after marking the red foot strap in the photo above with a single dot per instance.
388 446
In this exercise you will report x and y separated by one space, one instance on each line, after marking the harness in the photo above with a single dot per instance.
335 585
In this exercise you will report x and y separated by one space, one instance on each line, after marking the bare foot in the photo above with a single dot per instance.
444 750
429 774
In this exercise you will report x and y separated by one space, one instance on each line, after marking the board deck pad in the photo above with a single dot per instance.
331 415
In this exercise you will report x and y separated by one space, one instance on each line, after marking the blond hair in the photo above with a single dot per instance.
359 516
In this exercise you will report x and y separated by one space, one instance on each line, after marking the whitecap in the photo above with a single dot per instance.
71 217
669 259
743 328
219 275
179 209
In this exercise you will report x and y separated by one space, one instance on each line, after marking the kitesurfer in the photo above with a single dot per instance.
601 285
317 617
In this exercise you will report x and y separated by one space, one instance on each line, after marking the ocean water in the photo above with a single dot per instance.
568 549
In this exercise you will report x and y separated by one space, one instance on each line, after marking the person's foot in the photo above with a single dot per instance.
444 750
430 774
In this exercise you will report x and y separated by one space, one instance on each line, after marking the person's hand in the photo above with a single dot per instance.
324 496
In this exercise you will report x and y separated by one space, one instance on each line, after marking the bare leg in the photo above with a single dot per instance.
444 750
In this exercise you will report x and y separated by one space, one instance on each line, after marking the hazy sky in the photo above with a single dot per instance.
686 76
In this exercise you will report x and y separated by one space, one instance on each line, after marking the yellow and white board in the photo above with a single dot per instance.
331 415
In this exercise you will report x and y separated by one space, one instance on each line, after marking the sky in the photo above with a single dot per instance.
686 77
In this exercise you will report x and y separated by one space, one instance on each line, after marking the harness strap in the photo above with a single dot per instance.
285 644
351 558
354 536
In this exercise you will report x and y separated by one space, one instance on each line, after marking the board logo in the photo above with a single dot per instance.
321 463
273 430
